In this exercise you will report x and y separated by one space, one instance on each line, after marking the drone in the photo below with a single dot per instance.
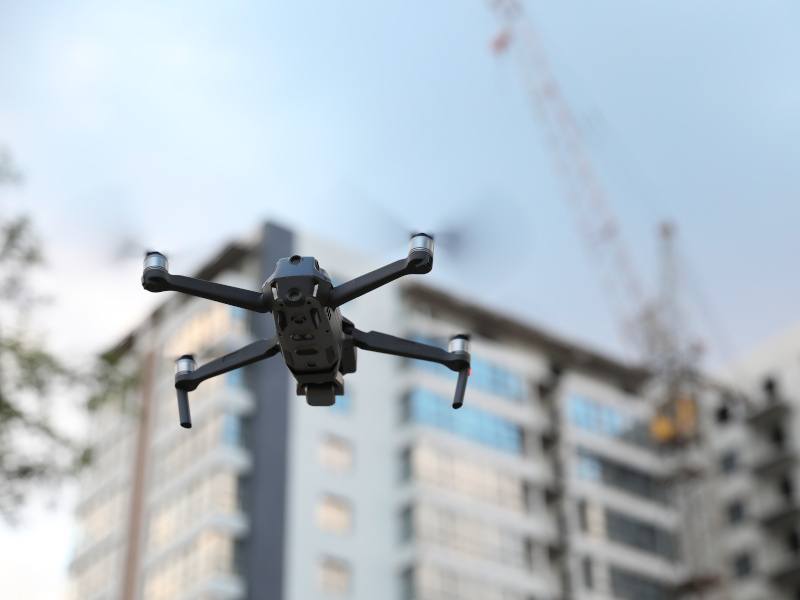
318 344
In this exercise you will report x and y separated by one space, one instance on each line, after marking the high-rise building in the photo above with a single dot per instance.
547 484
754 473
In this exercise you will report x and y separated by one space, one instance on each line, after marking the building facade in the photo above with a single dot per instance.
546 485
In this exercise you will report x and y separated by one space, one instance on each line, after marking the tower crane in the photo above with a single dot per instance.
650 328
655 329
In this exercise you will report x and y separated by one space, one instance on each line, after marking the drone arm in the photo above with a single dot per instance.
156 278
418 261
187 377
456 359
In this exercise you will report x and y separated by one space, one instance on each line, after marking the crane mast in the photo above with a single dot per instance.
655 328
641 324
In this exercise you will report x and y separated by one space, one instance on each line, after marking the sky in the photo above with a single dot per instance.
184 124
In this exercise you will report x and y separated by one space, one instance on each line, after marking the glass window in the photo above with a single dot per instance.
485 375
234 378
334 514
407 584
742 565
735 512
336 453
594 467
607 421
407 523
231 429
729 462
640 534
589 467
478 480
587 568
334 576
427 582
477 425
467 534
628 585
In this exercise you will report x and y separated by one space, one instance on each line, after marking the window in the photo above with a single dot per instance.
589 467
205 328
334 576
778 437
231 429
640 534
497 380
407 584
793 542
742 565
607 421
423 406
729 462
336 453
583 515
478 480
587 568
628 585
594 467
334 514
786 487
210 553
406 467
735 512
487 376
427 581
469 535
407 523
234 378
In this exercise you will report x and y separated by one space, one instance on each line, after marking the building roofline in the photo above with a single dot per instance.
484 320
490 323
229 256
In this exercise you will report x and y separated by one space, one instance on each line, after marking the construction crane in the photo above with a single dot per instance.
656 328
651 327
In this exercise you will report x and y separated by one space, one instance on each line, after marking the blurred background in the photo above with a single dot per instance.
615 196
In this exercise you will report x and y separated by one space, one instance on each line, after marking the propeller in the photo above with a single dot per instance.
487 237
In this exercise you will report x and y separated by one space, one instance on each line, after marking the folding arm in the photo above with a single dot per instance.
156 278
188 377
457 358
418 261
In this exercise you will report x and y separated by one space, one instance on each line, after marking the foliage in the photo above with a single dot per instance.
34 451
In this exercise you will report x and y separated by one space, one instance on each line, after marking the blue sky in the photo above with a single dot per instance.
184 123
213 117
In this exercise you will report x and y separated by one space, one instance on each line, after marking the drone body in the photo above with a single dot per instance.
318 344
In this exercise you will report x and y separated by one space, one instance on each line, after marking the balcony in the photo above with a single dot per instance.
787 575
774 463
773 412
782 518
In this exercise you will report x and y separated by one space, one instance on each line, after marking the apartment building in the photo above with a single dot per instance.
752 452
545 485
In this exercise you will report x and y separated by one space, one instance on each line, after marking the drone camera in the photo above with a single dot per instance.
155 260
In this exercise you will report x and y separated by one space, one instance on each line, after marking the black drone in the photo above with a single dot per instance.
317 342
